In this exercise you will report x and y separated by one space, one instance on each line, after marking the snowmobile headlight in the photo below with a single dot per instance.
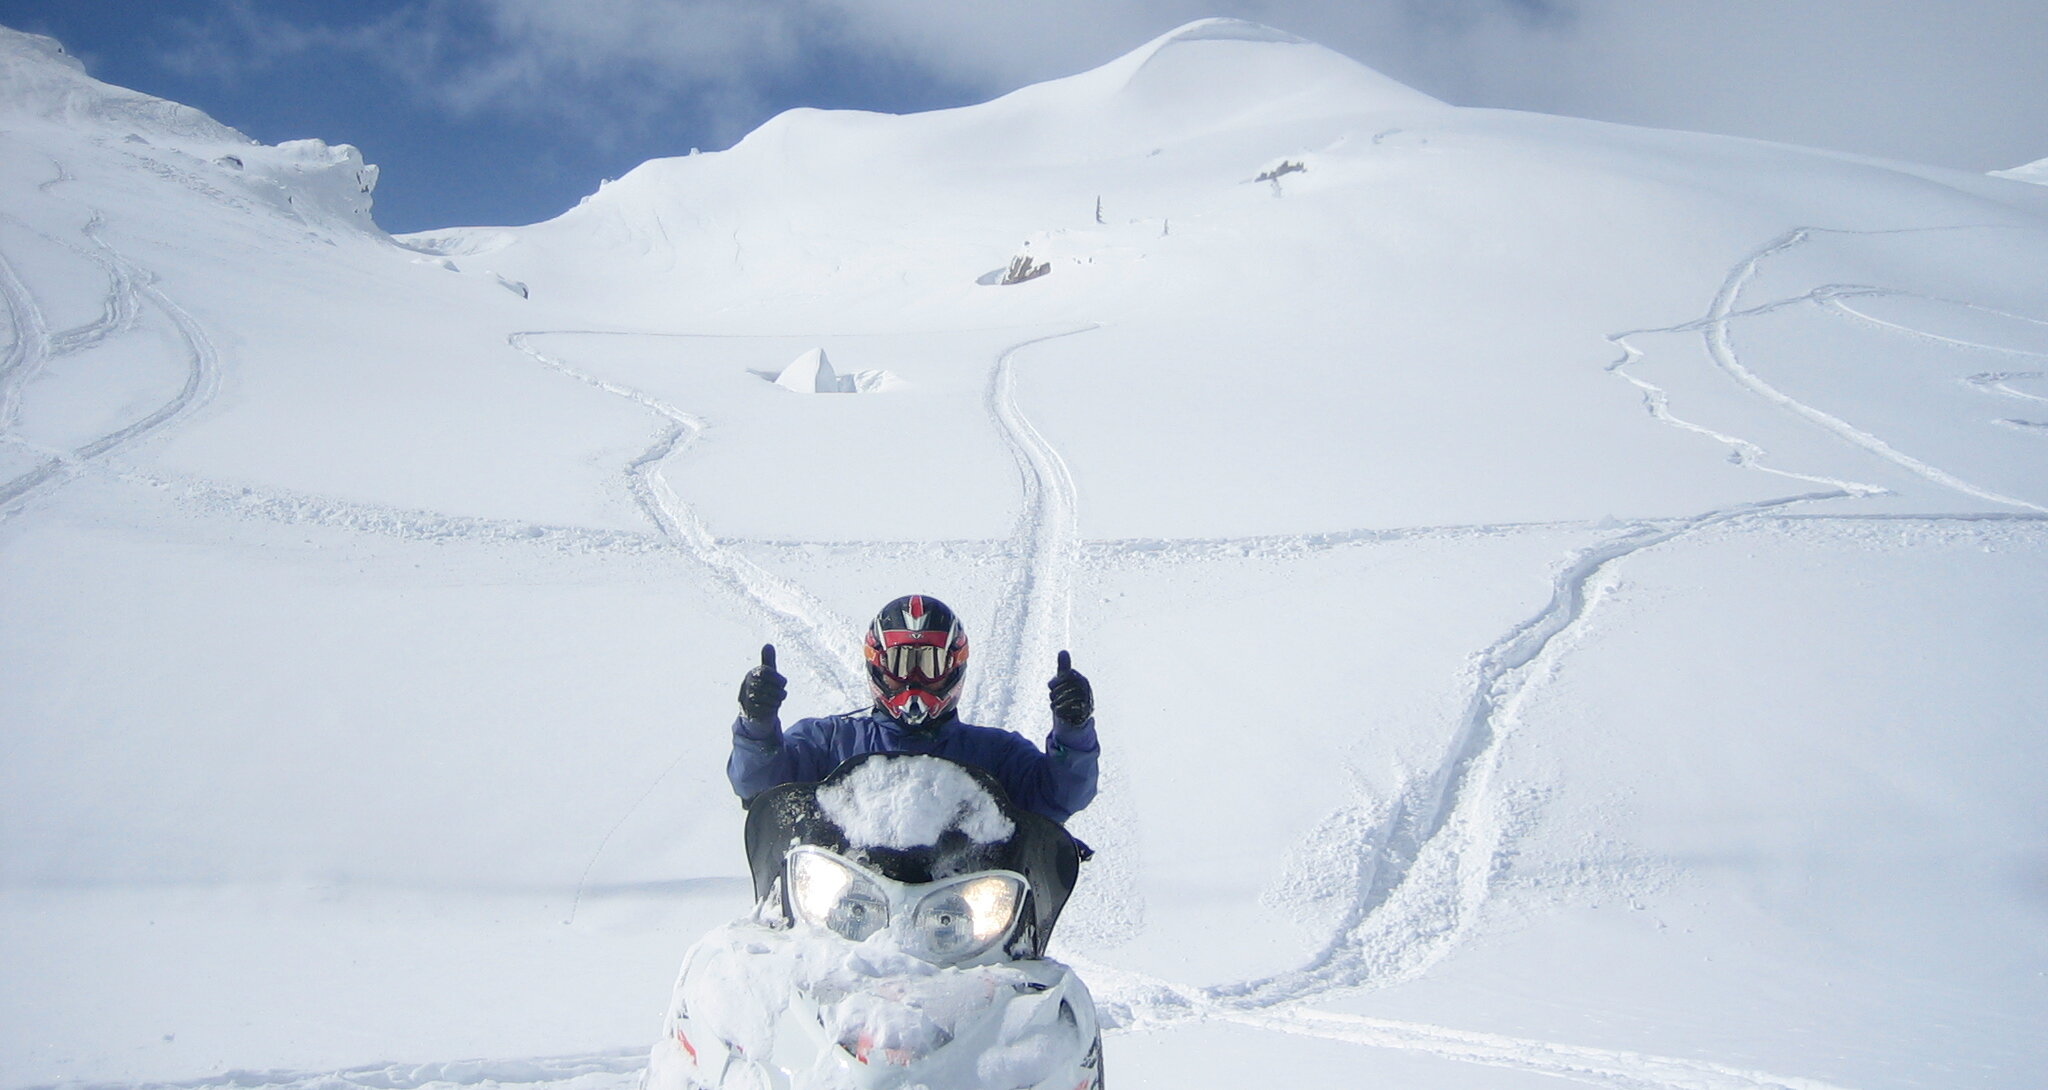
958 921
827 892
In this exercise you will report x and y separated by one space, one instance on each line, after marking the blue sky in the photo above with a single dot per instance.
286 69
508 111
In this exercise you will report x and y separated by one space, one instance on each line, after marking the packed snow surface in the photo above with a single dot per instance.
908 802
1565 601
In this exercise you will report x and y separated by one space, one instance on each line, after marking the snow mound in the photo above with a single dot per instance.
812 373
910 802
2035 172
38 78
309 176
457 241
20 47
306 179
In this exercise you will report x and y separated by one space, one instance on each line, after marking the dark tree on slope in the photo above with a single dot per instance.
1022 268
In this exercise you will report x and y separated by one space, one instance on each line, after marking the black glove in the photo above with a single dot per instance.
762 692
1073 701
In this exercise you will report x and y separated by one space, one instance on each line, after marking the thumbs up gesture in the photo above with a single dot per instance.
1073 700
762 691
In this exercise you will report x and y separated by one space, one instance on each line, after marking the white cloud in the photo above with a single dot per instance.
1955 82
1947 81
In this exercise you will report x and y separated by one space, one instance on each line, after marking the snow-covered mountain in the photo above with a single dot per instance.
1565 600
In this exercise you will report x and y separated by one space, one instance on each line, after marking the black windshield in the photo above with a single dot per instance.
1039 849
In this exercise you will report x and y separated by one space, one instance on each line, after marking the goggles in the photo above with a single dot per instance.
912 660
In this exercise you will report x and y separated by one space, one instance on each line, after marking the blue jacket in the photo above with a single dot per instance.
1056 783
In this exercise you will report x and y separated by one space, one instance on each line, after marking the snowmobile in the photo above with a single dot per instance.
903 906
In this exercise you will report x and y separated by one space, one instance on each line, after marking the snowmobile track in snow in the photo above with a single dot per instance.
1425 866
1034 620
1035 615
1427 863
800 621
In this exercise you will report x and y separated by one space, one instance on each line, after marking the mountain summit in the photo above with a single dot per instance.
1213 74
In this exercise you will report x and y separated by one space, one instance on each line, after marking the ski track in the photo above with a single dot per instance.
35 346
2000 383
1996 383
1836 304
1424 864
1716 329
28 345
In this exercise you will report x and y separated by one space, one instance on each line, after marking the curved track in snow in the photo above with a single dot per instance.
1034 622
1425 867
1716 329
1034 619
800 621
1426 864
28 343
34 347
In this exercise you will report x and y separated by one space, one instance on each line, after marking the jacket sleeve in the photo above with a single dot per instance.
764 755
1061 780
759 760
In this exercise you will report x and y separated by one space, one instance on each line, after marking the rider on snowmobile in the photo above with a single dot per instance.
916 653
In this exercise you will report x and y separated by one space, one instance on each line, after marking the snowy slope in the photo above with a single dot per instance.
1565 599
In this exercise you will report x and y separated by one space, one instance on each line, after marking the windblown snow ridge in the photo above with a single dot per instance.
593 1071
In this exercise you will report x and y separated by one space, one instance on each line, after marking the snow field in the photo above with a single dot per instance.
1563 599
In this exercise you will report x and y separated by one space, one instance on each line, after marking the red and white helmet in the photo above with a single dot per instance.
916 653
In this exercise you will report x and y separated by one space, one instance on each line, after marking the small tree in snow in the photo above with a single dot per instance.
1022 268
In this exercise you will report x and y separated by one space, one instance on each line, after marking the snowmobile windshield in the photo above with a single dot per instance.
902 820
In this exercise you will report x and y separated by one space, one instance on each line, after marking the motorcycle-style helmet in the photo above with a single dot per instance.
916 653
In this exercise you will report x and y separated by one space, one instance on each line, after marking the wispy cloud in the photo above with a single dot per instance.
1956 82
606 70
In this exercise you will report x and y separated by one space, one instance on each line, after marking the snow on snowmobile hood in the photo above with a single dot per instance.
908 802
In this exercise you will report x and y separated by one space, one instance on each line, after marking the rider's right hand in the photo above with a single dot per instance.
763 690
